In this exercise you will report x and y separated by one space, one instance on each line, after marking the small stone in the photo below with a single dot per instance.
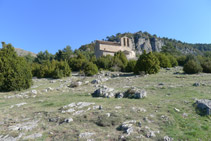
50 89
86 82
139 124
34 91
196 84
185 115
151 134
177 110
118 107
68 120
167 138
108 114
53 81
86 135
33 136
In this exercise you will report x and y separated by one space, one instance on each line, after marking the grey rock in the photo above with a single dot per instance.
33 136
119 95
196 84
86 135
75 84
84 104
204 105
50 89
99 107
34 91
135 93
104 91
18 105
150 134
127 127
68 120
96 81
24 126
167 138
53 81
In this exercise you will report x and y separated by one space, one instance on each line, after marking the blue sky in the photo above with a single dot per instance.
39 25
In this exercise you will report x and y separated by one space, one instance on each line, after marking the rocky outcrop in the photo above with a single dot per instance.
153 44
204 105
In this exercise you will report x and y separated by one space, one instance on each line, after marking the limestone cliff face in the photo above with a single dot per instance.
139 44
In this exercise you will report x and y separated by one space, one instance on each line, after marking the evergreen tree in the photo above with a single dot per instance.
192 67
147 63
15 72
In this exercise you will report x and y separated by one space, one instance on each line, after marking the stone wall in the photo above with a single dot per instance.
126 44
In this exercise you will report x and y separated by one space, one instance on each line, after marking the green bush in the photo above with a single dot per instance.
130 66
61 69
89 69
15 72
173 60
117 65
192 67
206 65
121 56
53 69
164 60
181 60
104 62
76 63
147 63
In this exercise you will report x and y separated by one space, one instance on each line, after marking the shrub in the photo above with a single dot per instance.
164 60
76 63
121 56
43 57
15 72
147 63
192 67
206 65
117 65
181 60
53 69
173 60
89 69
130 66
61 69
104 62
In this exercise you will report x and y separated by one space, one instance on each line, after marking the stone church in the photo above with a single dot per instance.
104 48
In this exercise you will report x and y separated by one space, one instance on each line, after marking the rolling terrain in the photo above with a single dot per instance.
55 109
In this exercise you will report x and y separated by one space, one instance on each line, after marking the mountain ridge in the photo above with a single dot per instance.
145 41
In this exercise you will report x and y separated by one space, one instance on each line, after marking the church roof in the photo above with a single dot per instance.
108 43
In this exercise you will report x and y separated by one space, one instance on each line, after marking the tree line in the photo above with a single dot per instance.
16 72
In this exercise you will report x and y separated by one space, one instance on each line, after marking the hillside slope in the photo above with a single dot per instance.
22 52
51 110
144 41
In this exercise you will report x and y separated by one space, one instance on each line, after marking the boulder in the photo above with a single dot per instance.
75 84
135 93
119 95
104 91
204 105
167 138
96 81
196 84
127 127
